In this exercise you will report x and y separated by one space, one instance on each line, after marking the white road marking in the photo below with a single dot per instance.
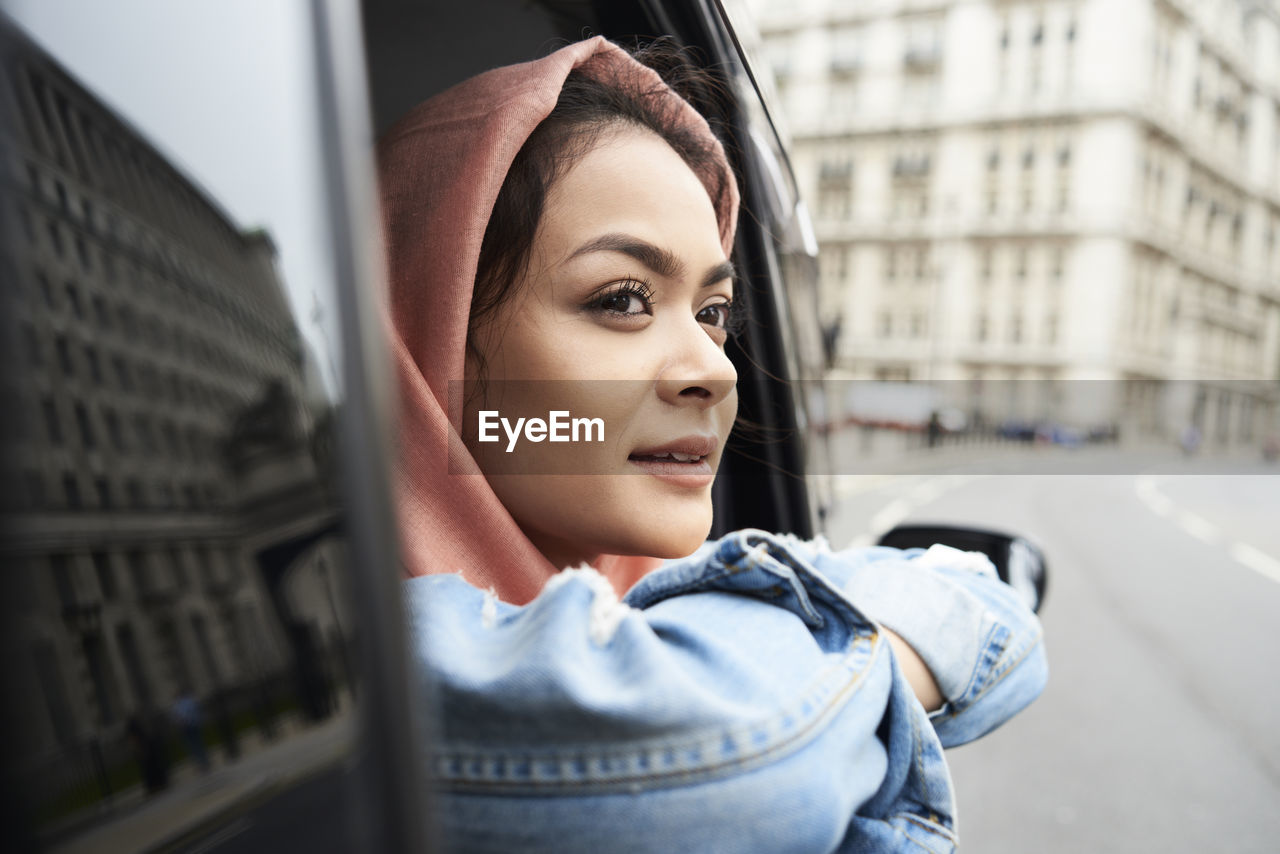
1156 501
1257 560
1201 529
899 509
890 515
1252 557
927 491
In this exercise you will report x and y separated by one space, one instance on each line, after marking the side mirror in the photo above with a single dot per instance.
1019 563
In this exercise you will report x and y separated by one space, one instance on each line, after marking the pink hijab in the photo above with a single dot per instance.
441 168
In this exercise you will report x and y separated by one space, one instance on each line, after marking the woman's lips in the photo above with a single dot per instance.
694 475
684 462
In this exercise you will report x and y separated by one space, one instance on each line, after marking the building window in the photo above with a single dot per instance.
106 575
115 434
1028 178
177 562
170 434
833 261
1063 196
921 60
146 435
910 185
73 300
52 423
55 238
71 489
95 366
835 189
992 187
87 438
121 368
843 97
63 580
1035 72
981 328
1006 39
1057 264
46 289
103 490
921 263
100 311
63 348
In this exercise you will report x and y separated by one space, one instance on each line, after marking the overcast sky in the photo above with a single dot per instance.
223 89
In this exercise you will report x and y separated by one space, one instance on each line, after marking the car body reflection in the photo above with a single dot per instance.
172 535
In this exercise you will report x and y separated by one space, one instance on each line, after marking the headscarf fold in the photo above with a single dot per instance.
440 169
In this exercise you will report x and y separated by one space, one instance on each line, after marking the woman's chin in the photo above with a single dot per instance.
674 540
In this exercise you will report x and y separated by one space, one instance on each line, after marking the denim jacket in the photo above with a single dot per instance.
739 700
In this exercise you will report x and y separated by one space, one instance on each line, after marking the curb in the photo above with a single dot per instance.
258 793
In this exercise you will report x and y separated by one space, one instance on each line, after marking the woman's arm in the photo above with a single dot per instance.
739 685
954 620
917 673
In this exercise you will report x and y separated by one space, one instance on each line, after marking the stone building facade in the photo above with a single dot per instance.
162 435
1064 190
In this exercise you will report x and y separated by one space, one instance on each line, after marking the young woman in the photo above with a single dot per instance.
560 239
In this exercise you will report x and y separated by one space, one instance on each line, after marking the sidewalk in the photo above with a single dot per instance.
856 452
194 800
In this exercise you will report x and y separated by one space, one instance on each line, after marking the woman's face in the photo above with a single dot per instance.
621 317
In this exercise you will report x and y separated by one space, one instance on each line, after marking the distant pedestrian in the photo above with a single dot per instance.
189 717
1190 439
934 428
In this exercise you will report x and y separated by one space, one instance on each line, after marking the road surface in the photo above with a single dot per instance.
1158 731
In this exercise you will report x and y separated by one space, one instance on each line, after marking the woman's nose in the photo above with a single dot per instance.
698 372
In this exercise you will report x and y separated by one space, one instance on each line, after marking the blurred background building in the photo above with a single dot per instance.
170 519
1054 190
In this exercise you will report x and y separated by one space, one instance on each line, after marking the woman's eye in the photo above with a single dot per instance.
715 315
629 298
624 303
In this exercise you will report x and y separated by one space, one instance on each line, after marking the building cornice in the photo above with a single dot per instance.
897 126
1062 229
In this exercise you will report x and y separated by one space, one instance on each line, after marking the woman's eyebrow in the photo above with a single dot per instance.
718 273
657 259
